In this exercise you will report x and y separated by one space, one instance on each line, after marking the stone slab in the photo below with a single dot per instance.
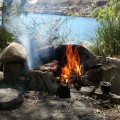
9 98
112 97
88 91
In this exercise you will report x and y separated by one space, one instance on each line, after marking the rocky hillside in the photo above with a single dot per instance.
65 7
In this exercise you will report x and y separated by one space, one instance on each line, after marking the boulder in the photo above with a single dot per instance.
110 63
40 80
13 53
94 75
36 82
109 69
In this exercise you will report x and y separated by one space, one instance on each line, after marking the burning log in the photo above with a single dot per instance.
72 72
52 66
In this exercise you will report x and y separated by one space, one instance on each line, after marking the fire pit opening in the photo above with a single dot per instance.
69 67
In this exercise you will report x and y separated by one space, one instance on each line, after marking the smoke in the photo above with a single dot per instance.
35 32
22 35
32 1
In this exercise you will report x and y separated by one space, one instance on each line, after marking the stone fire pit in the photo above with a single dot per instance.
43 80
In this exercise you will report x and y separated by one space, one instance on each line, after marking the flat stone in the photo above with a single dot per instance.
112 97
81 111
78 104
88 91
9 98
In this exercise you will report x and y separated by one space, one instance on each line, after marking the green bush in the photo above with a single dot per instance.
95 12
5 38
108 34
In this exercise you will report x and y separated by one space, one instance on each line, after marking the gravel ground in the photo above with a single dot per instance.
44 106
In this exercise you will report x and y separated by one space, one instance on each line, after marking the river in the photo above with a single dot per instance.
37 30
53 27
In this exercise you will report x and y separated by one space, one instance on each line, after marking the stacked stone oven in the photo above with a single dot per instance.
12 59
58 53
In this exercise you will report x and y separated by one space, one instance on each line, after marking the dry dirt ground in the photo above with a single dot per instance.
44 106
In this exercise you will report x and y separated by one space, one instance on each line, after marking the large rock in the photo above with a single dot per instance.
94 75
41 81
13 53
110 63
109 69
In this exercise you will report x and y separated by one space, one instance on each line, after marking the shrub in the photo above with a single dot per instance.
108 34
5 37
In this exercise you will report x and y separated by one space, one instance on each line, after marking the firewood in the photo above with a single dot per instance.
52 66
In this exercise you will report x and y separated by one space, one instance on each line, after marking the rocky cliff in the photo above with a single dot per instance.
65 7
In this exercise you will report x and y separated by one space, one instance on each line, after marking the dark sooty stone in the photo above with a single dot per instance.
63 92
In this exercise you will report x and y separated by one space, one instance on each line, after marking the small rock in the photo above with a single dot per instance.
1 75
88 91
81 111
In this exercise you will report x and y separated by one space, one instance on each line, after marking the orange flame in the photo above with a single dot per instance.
73 63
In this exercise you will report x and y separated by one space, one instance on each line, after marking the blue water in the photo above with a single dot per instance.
35 31
68 27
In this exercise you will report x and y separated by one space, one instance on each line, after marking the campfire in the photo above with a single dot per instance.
69 70
72 71
72 67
